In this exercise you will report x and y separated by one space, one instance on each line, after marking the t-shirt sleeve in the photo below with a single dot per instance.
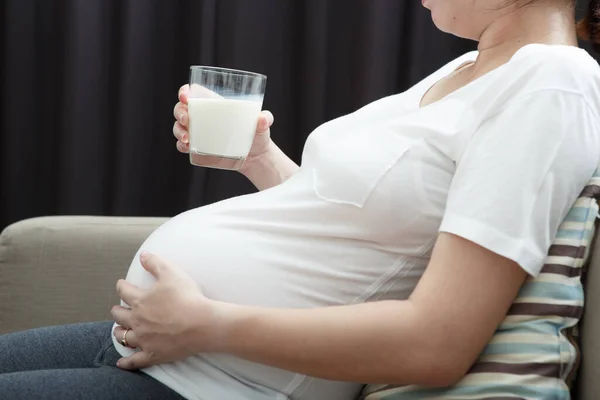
520 174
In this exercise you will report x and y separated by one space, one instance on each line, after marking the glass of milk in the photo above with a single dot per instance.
224 106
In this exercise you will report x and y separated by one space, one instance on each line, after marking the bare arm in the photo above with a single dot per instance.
431 339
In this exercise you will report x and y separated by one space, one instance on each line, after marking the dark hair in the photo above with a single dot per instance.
589 27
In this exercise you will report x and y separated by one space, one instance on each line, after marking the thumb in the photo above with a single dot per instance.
269 116
137 361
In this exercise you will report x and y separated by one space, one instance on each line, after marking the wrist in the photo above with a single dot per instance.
227 319
257 162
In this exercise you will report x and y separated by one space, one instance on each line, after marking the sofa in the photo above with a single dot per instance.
61 270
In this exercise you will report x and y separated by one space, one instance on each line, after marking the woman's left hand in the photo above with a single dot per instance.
165 323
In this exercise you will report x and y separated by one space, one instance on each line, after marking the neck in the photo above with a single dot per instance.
543 21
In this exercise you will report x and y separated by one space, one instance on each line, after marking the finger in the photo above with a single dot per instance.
118 333
129 293
137 361
183 147
152 263
180 112
183 93
122 316
131 337
180 132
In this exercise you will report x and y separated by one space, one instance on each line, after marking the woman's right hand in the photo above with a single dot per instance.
262 138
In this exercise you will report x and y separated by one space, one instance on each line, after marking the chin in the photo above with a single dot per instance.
452 26
441 23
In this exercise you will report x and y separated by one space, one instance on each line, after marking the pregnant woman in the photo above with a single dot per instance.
408 230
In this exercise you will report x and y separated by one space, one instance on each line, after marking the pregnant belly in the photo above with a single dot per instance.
232 260
243 260
237 260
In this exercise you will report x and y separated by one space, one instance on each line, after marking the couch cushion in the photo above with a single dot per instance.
62 270
533 353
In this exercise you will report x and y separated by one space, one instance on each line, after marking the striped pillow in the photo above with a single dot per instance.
533 353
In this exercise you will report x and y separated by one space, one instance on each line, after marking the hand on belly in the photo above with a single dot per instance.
167 321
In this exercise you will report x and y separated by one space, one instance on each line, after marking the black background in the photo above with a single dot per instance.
88 87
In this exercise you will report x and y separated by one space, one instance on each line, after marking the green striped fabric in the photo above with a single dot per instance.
533 354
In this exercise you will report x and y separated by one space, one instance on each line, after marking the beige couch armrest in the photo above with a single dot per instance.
60 270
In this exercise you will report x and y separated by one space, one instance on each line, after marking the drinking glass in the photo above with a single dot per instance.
224 106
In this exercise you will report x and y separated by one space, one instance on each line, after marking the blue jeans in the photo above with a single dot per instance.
71 362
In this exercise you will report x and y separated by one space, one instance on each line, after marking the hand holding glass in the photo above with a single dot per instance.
224 106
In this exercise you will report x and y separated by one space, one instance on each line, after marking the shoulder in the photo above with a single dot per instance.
550 92
568 58
552 77
567 69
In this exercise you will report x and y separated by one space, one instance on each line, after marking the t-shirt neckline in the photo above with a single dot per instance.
471 57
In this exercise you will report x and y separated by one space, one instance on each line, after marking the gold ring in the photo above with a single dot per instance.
124 340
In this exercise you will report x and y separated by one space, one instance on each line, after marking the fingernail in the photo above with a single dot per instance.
144 255
184 139
119 363
180 118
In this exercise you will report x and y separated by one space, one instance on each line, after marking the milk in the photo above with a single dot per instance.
222 127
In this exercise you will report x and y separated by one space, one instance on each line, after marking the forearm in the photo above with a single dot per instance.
270 169
368 343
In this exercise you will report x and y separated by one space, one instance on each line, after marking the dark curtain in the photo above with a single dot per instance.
88 87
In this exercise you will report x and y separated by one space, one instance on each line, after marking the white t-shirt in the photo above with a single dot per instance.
499 162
